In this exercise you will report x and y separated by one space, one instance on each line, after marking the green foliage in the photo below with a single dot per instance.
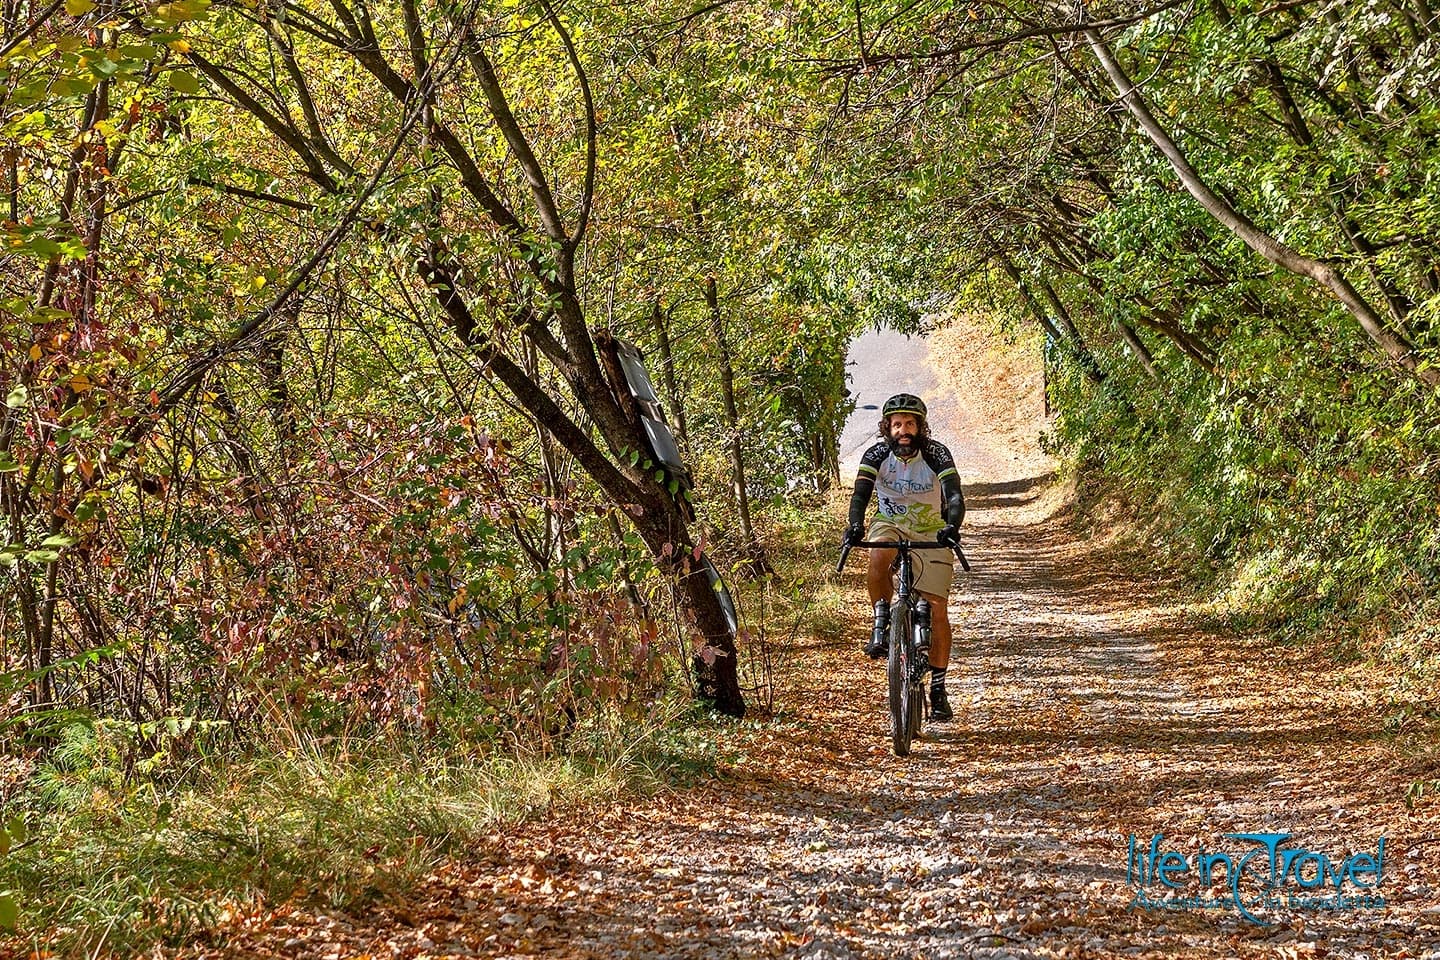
13 833
1283 453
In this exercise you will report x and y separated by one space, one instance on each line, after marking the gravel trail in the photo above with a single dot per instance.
1090 707
1092 704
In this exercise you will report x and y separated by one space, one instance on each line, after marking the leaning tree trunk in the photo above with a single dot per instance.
1394 346
1072 348
661 323
654 511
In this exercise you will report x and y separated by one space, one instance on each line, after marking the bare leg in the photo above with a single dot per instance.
939 631
877 576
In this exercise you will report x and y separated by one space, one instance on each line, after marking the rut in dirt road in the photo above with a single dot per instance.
1089 708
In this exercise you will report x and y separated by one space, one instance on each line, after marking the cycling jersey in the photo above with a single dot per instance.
918 494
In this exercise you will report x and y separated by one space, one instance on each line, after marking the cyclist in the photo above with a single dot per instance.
919 499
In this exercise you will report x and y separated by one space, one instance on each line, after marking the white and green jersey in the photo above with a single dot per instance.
909 489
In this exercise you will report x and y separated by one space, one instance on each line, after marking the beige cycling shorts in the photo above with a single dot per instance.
934 568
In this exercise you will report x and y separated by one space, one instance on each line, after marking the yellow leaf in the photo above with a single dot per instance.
78 8
36 353
180 46
80 383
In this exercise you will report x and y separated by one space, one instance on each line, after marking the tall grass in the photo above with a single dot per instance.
117 867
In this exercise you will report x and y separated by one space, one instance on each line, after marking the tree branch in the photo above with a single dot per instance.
307 104
282 129
850 65
193 372
1399 350
29 31
515 137
587 196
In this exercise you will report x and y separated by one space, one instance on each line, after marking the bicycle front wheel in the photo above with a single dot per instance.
901 728
917 700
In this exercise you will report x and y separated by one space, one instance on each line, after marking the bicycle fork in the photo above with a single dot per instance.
922 638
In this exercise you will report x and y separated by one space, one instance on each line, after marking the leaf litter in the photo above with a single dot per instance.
1092 703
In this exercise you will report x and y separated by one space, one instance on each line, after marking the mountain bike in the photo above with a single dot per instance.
909 639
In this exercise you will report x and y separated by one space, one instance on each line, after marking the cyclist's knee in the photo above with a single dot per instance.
881 559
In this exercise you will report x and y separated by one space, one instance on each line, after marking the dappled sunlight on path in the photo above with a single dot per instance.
1090 706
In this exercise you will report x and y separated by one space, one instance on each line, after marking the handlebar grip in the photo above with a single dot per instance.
844 553
960 555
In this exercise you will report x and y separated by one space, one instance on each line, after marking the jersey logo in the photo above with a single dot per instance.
909 486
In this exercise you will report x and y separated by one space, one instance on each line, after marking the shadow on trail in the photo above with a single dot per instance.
1076 723
1007 493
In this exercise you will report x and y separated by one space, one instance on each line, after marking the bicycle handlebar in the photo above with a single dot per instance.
895 544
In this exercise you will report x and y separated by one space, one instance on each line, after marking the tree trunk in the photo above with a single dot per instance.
271 365
1137 347
1070 346
1162 320
661 322
651 508
1390 343
732 426
89 175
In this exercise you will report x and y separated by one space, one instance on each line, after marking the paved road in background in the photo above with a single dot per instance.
886 363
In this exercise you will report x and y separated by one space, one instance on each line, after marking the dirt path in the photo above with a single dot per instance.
1090 707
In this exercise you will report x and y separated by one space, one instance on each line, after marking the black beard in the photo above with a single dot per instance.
903 442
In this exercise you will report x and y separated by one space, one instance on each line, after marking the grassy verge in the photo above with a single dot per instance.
797 602
124 851
111 868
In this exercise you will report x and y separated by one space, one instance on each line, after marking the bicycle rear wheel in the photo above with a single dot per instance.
901 727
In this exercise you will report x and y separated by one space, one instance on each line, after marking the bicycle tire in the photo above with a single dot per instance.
918 685
900 669
917 700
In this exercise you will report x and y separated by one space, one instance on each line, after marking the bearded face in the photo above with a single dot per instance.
904 432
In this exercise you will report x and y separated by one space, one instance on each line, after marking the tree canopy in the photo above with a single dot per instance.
309 316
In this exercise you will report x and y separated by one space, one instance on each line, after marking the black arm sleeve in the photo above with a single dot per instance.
870 465
954 501
860 499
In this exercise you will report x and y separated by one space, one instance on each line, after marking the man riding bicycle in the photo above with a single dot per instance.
919 499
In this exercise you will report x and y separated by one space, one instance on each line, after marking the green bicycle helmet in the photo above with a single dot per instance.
904 403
